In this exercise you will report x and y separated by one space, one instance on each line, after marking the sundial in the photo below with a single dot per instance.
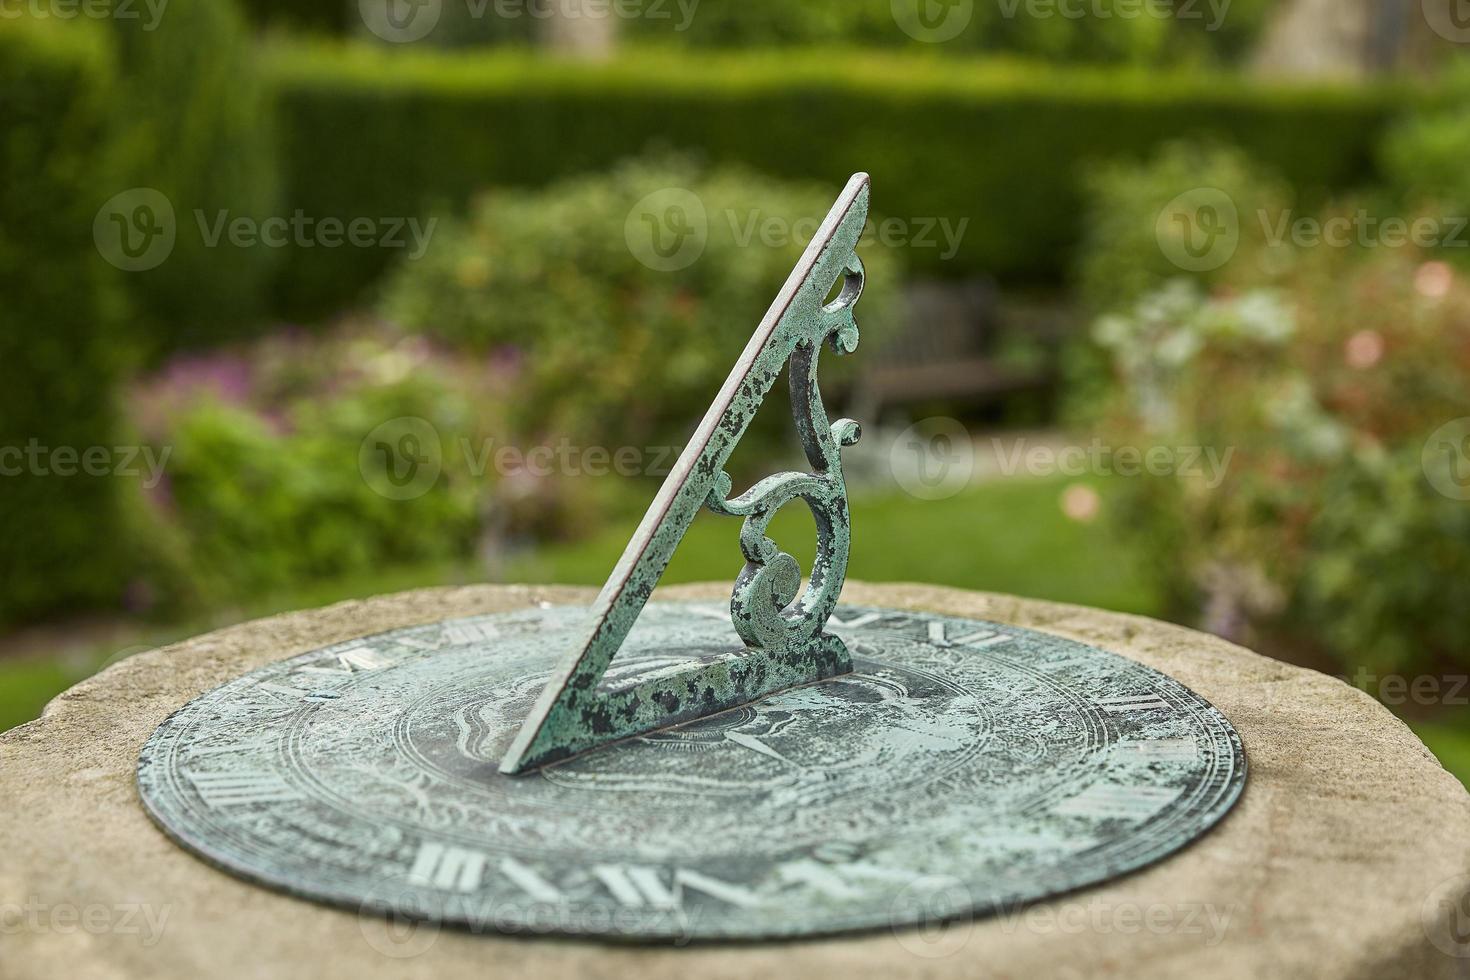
776 766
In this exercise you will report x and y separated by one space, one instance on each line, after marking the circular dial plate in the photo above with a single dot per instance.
962 767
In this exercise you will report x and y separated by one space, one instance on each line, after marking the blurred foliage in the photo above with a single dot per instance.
556 284
1425 155
1166 32
1104 32
1002 146
266 487
197 128
1134 211
60 314
311 16
1324 386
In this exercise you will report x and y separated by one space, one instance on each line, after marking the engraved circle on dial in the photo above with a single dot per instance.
962 767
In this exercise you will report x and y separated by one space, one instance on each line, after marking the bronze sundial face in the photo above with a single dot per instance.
773 767
961 766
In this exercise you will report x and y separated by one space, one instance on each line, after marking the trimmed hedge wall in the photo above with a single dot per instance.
59 540
378 133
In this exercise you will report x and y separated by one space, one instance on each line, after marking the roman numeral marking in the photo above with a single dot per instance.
529 881
461 869
857 621
1102 801
637 887
939 636
350 662
448 868
219 789
1162 749
469 632
1131 702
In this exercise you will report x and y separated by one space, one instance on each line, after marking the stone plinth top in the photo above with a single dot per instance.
1348 856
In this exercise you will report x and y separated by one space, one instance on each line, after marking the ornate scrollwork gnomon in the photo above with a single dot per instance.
784 632
764 605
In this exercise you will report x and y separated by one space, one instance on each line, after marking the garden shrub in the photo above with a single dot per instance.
315 16
1425 154
273 476
380 133
1137 211
1116 33
59 320
611 346
1330 527
198 130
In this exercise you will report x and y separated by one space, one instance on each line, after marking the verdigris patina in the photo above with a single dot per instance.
786 637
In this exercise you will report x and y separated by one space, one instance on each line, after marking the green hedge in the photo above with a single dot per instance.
368 132
58 320
196 128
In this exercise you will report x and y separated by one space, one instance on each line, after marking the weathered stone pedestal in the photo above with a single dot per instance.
1348 856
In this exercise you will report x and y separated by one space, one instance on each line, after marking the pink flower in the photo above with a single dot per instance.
1433 279
1081 503
1363 349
